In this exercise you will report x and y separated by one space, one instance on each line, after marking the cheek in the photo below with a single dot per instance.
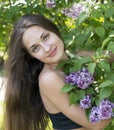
61 44
39 55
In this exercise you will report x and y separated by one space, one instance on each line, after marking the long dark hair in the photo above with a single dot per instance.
24 107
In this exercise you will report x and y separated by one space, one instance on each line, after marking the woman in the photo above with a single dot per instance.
34 86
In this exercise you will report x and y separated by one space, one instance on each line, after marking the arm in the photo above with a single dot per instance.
51 85
90 53
85 53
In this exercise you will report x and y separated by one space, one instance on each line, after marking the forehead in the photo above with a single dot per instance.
32 34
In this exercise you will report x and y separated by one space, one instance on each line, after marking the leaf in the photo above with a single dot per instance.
88 114
100 31
81 38
103 64
111 34
91 67
111 46
66 88
82 17
105 84
73 98
105 92
88 30
85 59
97 100
110 76
81 94
98 52
96 14
90 91
105 42
61 63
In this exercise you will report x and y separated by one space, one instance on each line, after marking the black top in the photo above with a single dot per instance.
61 122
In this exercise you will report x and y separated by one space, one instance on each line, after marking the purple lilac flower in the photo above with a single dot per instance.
74 11
72 78
84 78
81 78
50 3
103 111
94 115
106 109
86 102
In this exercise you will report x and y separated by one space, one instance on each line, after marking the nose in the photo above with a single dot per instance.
46 47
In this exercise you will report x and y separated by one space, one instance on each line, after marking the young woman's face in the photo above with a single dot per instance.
43 45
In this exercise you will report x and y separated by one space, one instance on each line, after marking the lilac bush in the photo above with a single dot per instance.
82 80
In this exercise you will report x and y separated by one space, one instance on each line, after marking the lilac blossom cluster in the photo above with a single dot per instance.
81 79
74 11
86 102
98 113
50 4
101 112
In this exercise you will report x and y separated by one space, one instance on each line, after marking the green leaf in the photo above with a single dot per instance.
82 17
103 64
81 94
97 100
111 34
66 88
81 38
90 91
105 92
105 84
96 14
88 30
73 98
88 114
85 59
110 76
105 42
91 67
111 46
100 31
61 63
98 52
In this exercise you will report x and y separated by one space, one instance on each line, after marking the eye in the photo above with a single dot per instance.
46 36
35 48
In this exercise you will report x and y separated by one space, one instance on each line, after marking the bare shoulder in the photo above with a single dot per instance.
50 78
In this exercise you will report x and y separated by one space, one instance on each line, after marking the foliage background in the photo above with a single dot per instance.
88 33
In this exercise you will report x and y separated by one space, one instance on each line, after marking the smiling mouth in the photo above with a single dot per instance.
53 53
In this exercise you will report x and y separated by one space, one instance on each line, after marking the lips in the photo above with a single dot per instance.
53 53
